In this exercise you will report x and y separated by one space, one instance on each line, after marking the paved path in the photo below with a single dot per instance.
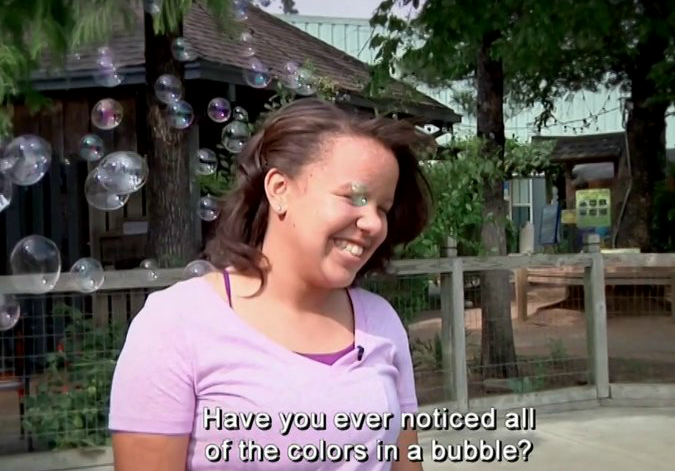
604 438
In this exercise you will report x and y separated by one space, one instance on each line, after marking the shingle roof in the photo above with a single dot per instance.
276 42
586 149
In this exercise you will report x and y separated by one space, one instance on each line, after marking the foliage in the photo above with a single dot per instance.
663 224
457 180
408 296
69 408
528 384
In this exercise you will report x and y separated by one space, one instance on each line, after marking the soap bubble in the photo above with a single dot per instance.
36 260
207 162
100 197
152 266
10 312
91 148
247 51
123 172
107 114
240 12
26 159
265 3
168 88
219 110
235 136
257 74
106 73
291 67
182 50
180 114
5 192
246 36
88 275
208 209
153 7
240 114
306 82
198 268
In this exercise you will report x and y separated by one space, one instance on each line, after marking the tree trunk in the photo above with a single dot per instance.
645 132
498 353
172 240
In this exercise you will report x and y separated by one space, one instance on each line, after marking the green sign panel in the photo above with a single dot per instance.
593 208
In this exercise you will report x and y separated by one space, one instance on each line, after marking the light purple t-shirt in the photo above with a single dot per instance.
186 350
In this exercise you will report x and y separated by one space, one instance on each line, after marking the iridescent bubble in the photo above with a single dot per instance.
246 36
91 148
180 114
247 51
235 135
240 11
106 73
198 268
10 312
100 197
88 275
151 266
26 159
107 114
291 67
123 172
240 114
168 88
182 50
257 74
152 7
36 262
5 192
219 110
207 162
208 209
306 82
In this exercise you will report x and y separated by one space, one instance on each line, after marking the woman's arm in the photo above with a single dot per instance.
149 452
405 439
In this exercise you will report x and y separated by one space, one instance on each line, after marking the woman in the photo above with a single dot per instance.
323 196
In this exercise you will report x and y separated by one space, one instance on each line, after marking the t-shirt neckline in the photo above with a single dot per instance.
359 329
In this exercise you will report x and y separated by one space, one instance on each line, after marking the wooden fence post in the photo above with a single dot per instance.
596 316
453 332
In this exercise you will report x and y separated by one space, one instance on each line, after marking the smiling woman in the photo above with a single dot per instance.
322 198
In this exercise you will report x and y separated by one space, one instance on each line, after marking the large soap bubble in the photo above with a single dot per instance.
219 110
151 266
198 268
257 74
207 162
5 192
235 135
26 159
99 197
123 172
182 50
107 114
36 261
10 312
208 209
91 148
180 114
240 114
168 88
88 275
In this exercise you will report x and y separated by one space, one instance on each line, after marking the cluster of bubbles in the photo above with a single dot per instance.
23 161
35 263
256 73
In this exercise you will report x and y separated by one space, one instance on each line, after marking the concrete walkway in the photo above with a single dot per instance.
603 438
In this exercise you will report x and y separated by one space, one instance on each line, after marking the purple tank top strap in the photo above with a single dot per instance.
228 289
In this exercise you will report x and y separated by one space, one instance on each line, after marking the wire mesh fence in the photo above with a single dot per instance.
530 333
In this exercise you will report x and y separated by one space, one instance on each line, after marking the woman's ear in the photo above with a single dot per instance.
276 188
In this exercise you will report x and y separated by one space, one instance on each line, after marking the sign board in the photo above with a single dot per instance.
593 208
569 216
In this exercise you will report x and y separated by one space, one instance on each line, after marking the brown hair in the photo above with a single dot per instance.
290 138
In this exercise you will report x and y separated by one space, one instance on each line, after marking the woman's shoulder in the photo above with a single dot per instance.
378 311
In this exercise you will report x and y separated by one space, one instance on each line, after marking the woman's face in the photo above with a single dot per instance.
336 210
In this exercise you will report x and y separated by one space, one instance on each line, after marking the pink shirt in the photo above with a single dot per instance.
187 351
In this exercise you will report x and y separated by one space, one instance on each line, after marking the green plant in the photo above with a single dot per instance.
408 297
69 408
427 355
557 349
530 384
